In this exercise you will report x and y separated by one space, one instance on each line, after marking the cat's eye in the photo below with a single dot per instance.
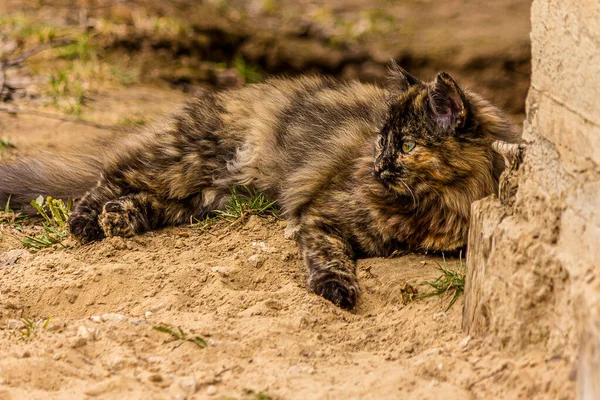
380 141
407 147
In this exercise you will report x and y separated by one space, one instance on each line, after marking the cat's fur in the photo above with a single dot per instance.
330 153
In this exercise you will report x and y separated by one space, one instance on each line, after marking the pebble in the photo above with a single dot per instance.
155 359
85 333
211 390
432 352
440 315
148 314
188 384
15 324
78 342
11 257
96 318
291 231
262 246
113 317
256 260
221 270
464 342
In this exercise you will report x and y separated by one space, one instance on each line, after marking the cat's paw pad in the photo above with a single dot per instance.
84 227
341 290
118 218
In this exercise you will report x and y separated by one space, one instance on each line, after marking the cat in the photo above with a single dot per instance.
358 169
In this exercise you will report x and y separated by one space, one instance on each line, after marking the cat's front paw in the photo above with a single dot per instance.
85 227
341 289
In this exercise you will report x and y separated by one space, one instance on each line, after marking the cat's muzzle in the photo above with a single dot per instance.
383 175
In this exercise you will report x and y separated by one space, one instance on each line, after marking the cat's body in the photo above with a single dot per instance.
334 155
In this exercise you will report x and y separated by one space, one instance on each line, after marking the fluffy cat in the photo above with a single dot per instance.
358 169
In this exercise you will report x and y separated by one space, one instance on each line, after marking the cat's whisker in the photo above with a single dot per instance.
411 193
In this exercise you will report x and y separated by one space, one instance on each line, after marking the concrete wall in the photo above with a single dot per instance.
534 254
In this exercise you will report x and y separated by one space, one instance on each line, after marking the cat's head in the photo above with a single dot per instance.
437 136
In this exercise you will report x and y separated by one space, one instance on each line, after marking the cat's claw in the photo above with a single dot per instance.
341 291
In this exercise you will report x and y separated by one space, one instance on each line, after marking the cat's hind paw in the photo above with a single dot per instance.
84 227
122 218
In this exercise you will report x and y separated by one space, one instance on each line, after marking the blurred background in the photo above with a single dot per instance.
122 63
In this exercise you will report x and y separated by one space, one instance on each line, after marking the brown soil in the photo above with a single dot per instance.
243 289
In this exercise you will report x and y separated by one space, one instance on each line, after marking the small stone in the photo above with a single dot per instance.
589 277
78 342
465 342
15 324
113 317
432 352
11 257
136 321
148 314
96 318
118 243
188 384
256 260
221 270
83 332
439 316
116 362
291 231
263 247
211 390
155 359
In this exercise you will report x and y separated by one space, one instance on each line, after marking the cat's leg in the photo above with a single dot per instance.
141 212
331 264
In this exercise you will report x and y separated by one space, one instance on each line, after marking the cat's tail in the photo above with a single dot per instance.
61 177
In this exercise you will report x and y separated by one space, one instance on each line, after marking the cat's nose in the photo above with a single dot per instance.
377 169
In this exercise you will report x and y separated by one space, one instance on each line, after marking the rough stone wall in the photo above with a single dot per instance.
533 263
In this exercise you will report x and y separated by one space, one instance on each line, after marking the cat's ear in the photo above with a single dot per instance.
447 102
398 79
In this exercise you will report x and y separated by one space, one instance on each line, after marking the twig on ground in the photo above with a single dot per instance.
15 62
66 118
487 376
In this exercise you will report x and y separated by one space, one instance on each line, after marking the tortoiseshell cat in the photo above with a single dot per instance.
358 169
